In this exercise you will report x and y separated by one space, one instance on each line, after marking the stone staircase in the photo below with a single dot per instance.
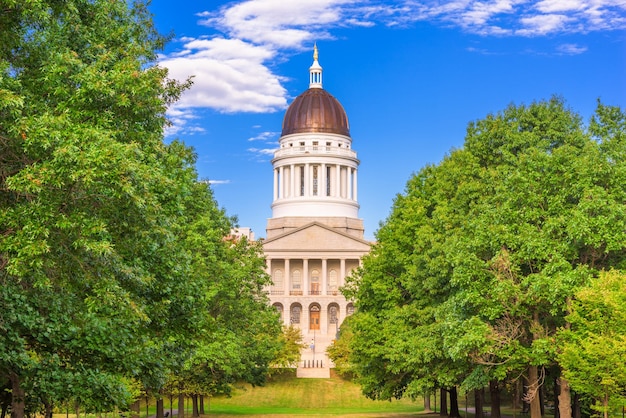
314 363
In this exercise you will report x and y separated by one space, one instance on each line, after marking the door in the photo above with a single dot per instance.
314 318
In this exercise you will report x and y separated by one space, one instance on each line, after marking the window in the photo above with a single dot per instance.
296 310
333 314
332 282
315 182
350 309
279 309
301 180
315 283
296 280
278 278
301 146
315 144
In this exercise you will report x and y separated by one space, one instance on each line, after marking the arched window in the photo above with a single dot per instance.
279 309
315 283
296 310
333 314
296 282
333 285
277 279
349 309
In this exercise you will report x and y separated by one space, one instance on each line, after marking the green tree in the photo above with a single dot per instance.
96 287
291 342
472 271
593 349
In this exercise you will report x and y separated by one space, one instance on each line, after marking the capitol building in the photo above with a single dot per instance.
314 238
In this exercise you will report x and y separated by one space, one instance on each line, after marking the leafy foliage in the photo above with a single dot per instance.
471 273
594 347
114 270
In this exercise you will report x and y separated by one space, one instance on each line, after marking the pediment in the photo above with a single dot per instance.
316 237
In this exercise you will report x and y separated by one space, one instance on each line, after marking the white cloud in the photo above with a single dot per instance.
571 49
262 151
557 6
543 24
264 136
214 182
233 64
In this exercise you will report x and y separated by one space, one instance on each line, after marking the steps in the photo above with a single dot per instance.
314 363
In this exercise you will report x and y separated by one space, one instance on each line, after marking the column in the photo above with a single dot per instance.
338 181
275 184
342 274
324 277
322 177
292 184
349 184
305 276
355 185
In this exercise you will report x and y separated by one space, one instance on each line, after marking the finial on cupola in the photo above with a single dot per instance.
315 71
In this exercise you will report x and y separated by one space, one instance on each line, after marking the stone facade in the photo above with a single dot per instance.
314 238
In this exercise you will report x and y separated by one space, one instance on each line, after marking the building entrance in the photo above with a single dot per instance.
314 318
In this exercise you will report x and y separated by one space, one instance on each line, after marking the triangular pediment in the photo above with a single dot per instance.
315 236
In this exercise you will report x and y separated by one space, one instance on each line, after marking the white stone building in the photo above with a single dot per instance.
314 238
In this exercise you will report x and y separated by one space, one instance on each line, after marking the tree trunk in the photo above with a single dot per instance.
565 399
202 412
17 397
533 392
576 412
454 403
181 405
47 409
494 393
427 402
443 410
479 403
555 397
516 395
135 408
159 408
605 404
542 399
194 403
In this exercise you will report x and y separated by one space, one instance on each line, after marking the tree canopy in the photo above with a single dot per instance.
113 262
471 275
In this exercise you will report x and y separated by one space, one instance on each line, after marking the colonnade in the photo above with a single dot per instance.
315 179
309 276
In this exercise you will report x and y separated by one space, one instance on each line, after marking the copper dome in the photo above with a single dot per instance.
316 110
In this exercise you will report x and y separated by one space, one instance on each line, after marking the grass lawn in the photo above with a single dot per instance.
286 396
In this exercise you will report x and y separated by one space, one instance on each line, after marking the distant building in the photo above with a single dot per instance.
314 237
240 232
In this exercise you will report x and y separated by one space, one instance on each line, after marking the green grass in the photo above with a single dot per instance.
287 396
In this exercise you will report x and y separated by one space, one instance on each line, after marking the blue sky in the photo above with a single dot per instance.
411 74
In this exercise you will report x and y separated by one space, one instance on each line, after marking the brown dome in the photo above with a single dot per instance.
316 110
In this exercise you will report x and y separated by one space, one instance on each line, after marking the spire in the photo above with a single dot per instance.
315 71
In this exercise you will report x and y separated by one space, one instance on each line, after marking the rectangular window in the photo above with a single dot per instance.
301 180
315 180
